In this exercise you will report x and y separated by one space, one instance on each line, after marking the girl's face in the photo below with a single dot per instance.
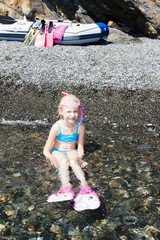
70 113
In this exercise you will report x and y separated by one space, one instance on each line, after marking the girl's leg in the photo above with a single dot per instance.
73 162
63 167
65 193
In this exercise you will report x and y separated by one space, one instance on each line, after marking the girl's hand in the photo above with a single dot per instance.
82 163
53 162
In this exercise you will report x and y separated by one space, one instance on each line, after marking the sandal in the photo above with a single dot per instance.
86 199
64 194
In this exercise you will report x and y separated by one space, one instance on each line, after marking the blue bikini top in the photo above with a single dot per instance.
67 137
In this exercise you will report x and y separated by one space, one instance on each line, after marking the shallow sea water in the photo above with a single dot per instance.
124 170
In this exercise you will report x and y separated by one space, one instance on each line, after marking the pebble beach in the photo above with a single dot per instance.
133 64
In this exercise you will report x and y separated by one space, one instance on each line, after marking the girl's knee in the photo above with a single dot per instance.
73 163
72 157
63 164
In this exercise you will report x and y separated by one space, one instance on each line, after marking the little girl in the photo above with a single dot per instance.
60 149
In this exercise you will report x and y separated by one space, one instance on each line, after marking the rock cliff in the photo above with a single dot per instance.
133 16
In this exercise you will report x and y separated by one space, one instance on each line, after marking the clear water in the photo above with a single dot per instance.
124 170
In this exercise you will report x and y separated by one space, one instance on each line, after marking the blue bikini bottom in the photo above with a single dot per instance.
64 152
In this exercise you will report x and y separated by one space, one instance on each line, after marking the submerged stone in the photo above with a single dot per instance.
113 184
130 220
2 226
139 233
145 146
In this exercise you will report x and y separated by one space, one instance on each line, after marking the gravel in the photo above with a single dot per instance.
131 64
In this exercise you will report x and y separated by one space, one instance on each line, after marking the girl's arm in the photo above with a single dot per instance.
80 148
49 143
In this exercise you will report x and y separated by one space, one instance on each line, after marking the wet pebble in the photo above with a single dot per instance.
2 226
55 228
130 220
122 193
113 184
139 233
145 146
142 191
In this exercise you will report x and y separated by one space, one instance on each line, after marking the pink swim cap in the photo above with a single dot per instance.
73 101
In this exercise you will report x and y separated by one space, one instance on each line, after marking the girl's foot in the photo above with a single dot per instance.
86 199
64 194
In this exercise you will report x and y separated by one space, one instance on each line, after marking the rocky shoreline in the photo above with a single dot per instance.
128 62
120 77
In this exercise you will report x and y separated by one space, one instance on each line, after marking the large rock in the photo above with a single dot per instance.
141 15
134 16
29 8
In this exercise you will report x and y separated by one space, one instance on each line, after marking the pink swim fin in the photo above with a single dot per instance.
49 35
40 39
